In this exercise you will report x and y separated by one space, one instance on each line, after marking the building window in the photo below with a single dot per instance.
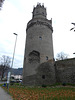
46 57
40 37
43 76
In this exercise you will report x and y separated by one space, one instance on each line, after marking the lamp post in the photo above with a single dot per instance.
9 74
14 50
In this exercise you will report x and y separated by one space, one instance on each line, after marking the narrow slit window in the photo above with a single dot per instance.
46 57
40 37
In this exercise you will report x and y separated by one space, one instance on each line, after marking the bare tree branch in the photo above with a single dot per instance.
73 24
4 64
61 56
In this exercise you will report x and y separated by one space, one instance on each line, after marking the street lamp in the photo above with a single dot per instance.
14 50
9 73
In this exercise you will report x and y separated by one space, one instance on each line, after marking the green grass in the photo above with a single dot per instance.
54 92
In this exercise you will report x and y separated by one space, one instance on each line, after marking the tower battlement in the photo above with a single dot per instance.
39 17
45 22
39 11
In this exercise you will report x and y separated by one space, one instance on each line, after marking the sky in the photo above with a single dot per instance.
15 15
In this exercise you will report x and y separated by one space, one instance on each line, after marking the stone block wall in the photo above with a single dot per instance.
46 74
65 71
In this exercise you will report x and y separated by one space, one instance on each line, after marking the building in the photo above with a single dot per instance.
39 44
39 66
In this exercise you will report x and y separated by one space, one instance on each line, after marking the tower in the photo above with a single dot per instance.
39 44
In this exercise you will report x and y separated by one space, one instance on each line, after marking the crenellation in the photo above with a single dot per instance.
47 23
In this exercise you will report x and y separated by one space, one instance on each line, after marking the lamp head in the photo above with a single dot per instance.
14 33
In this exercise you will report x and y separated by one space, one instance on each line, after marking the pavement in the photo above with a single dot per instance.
4 95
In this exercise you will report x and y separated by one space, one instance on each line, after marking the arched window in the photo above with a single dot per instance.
34 56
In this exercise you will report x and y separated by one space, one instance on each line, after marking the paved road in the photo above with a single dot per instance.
4 95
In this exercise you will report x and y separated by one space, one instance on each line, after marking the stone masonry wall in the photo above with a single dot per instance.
46 74
65 71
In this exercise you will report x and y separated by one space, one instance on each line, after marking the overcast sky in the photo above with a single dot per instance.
14 17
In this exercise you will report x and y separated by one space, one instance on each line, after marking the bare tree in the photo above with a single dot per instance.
61 56
73 27
1 3
4 64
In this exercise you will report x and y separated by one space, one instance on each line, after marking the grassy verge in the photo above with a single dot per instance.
19 92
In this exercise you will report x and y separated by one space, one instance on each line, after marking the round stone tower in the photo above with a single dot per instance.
39 44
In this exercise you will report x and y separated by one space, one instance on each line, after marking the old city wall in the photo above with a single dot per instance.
65 71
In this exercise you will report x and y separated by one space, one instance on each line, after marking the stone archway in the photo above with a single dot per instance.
34 56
